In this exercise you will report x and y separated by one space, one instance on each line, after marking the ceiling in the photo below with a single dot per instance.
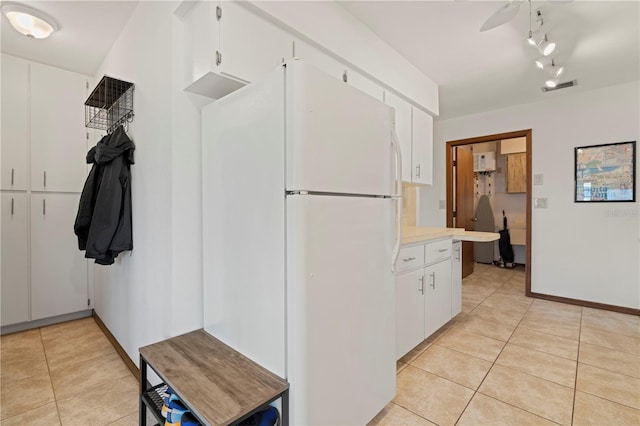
598 43
88 29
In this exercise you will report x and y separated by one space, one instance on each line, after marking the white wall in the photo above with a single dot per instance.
154 292
582 251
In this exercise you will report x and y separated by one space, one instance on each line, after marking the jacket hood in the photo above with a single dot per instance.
111 146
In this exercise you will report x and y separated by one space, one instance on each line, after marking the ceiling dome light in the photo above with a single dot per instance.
29 21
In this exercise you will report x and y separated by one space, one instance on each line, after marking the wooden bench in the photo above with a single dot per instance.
218 384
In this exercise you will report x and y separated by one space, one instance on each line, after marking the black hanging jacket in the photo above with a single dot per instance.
103 223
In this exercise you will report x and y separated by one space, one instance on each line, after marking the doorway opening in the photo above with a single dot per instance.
464 186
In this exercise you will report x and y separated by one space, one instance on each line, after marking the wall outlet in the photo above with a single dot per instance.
443 204
540 203
537 179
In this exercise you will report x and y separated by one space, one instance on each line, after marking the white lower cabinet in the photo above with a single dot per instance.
437 296
14 285
456 278
58 268
409 311
424 292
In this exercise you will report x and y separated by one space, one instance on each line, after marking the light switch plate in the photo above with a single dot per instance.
443 204
537 179
540 203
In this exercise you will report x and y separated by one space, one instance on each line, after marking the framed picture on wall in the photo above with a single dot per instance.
605 173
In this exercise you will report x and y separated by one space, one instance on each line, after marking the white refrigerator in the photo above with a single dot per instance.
301 215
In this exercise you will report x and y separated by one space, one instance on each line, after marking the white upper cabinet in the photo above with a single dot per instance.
403 130
360 82
414 128
422 148
58 136
229 46
250 46
15 123
332 66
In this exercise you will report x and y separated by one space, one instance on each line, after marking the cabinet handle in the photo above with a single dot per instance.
433 282
421 289
44 207
12 177
408 259
11 206
44 178
442 250
418 170
458 250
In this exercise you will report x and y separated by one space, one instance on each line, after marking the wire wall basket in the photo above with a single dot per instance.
109 105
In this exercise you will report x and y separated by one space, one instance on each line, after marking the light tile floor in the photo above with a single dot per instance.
65 374
507 359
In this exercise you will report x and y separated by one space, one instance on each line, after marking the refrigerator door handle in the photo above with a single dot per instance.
397 197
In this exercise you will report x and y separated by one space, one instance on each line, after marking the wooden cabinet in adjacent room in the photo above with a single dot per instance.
517 172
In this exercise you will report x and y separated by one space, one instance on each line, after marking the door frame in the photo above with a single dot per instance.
491 138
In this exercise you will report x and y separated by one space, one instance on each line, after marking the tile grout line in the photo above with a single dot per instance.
475 392
494 364
53 390
575 383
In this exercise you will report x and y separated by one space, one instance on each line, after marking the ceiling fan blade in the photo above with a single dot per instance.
501 16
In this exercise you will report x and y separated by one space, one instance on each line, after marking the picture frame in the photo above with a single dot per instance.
605 173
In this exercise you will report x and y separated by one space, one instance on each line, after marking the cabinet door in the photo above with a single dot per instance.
422 146
409 311
202 34
517 172
437 293
58 136
319 59
365 85
456 279
15 122
58 268
250 45
14 286
403 130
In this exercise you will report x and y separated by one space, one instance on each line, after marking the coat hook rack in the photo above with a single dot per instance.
109 105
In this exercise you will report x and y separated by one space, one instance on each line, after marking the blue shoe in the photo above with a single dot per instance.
175 411
186 419
267 417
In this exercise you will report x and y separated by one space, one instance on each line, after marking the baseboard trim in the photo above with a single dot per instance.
119 349
44 322
585 303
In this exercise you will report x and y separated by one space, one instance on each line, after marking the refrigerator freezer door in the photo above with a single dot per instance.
340 308
338 139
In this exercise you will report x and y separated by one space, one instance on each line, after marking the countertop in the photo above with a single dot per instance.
416 234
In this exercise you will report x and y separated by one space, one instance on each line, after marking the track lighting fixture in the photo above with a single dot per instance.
552 82
554 70
549 66
547 47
